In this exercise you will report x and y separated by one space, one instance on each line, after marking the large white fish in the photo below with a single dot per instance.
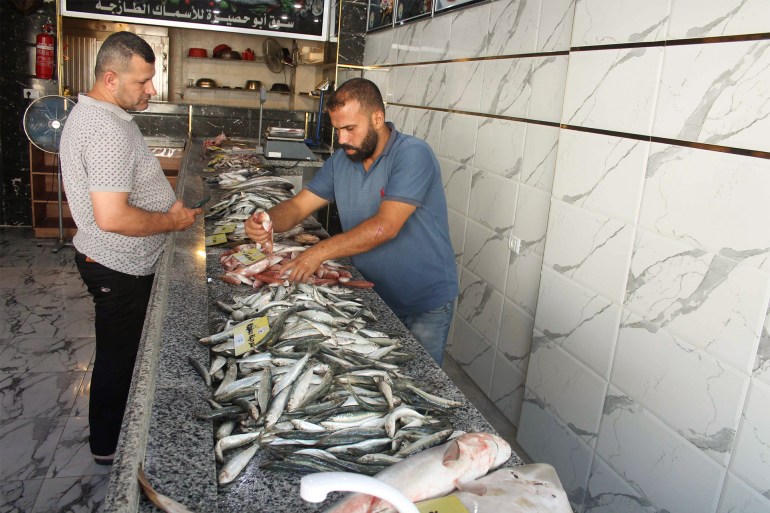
434 472
526 489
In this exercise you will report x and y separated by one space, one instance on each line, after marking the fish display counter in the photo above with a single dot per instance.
169 430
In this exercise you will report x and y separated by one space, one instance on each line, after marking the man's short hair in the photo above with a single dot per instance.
364 91
118 49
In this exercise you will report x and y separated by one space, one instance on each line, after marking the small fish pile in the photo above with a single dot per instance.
235 208
267 270
230 179
233 159
321 391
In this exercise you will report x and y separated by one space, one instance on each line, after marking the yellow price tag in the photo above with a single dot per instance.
249 256
213 240
448 504
225 228
248 335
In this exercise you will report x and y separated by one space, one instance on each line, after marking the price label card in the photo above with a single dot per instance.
248 335
448 504
249 256
225 228
213 240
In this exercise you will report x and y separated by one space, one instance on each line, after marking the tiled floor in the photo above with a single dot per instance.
46 352
46 349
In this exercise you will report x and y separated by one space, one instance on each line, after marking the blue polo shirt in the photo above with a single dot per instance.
415 272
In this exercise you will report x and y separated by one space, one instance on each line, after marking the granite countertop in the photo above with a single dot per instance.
160 432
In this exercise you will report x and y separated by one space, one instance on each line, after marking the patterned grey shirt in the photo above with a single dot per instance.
102 149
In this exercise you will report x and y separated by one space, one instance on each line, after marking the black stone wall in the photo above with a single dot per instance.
18 30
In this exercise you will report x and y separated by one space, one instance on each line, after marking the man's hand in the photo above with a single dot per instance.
300 269
112 213
255 229
182 217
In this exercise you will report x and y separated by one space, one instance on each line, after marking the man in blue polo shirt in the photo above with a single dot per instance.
393 212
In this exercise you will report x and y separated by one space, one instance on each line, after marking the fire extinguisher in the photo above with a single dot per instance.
44 53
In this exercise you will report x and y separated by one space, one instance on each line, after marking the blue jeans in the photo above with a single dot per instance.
431 329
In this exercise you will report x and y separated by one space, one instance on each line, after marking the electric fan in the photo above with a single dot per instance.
43 123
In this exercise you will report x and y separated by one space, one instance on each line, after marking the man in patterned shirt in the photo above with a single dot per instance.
124 209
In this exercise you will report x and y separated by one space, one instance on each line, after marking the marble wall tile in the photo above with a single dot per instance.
512 27
406 43
472 353
580 321
555 27
609 22
401 117
463 86
601 173
458 138
428 127
548 83
716 94
404 88
531 218
434 44
457 224
387 54
738 497
708 300
492 200
539 162
457 184
608 493
523 279
752 449
507 390
547 440
762 361
27 446
372 49
486 253
468 32
507 86
613 89
707 18
381 79
592 249
480 305
694 393
500 146
569 389
431 85
515 340
645 452
714 201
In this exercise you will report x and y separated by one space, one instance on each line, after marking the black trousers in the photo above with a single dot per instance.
120 302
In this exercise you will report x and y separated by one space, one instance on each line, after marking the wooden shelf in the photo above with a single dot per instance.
45 191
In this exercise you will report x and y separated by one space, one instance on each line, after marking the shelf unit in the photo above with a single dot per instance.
45 189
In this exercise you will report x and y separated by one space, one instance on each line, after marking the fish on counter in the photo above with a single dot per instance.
434 472
533 488
264 193
321 391
267 269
